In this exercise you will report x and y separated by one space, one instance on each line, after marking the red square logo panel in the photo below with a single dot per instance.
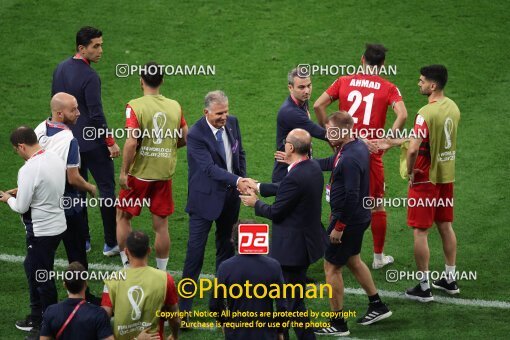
253 239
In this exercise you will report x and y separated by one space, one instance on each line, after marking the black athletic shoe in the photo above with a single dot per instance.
374 314
337 328
27 324
416 293
450 288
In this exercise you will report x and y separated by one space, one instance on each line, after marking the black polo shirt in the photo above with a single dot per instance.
89 322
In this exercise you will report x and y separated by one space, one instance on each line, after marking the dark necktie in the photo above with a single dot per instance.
221 146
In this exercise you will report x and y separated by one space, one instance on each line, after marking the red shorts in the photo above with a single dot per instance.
431 203
159 193
376 176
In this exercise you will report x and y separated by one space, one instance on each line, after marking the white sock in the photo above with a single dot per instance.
450 273
424 283
378 257
123 258
161 263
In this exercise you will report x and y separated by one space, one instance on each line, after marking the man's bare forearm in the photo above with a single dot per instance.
412 154
399 123
397 141
320 113
401 112
320 107
183 140
128 155
77 181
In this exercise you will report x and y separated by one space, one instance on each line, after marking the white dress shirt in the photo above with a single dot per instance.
226 143
41 183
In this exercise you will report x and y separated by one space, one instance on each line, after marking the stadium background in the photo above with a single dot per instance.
253 46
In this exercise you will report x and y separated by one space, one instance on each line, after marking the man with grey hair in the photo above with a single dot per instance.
294 114
216 171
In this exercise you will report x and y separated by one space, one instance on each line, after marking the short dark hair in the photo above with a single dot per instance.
152 74
375 54
302 73
138 244
86 34
341 119
75 282
436 73
23 135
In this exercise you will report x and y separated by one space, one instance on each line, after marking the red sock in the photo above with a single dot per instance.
378 230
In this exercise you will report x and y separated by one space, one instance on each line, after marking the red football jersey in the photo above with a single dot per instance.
422 165
366 98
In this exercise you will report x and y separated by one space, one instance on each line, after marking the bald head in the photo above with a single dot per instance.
301 140
60 101
64 108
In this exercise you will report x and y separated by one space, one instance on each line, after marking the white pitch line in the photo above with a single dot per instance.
440 299
61 263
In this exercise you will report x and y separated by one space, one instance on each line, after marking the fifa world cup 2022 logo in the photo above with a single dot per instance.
448 127
158 123
135 296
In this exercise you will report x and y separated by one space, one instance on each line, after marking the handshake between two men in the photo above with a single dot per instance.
297 148
248 190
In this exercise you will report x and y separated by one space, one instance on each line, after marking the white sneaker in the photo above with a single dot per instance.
378 264
111 251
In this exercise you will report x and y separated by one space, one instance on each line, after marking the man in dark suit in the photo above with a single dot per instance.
294 114
298 237
216 167
257 270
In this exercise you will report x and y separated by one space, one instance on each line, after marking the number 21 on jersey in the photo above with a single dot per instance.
356 97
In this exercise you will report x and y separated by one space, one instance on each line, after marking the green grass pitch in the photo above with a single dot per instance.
253 45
